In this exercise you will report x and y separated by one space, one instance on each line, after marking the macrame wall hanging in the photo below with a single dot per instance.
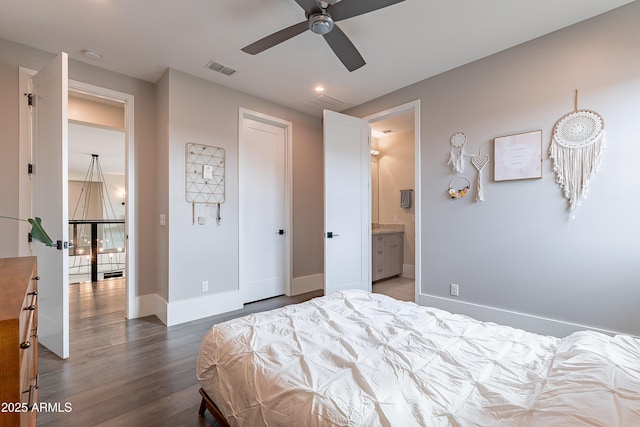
576 150
457 142
479 161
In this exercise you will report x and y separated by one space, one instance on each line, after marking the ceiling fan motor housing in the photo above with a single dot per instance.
320 23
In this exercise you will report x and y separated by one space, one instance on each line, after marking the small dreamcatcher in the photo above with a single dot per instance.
457 142
576 149
462 192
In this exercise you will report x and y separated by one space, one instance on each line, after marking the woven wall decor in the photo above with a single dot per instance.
576 150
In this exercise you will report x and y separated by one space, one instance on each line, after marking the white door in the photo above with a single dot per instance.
347 203
262 157
50 107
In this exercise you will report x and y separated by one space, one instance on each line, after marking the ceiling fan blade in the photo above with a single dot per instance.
344 49
276 38
309 6
349 8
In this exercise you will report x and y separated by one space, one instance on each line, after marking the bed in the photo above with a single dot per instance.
360 359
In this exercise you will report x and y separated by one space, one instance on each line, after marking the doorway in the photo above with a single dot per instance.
128 195
399 125
97 189
58 300
264 157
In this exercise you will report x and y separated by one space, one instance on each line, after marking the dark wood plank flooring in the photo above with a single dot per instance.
136 372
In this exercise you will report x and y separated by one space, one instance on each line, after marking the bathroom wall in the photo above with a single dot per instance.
396 171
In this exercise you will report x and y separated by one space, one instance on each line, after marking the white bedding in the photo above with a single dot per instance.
360 359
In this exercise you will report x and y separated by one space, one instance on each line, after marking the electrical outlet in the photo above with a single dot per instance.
205 285
455 290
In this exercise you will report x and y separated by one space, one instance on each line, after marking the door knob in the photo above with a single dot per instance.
331 235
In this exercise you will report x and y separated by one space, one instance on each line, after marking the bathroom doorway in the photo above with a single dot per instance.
395 179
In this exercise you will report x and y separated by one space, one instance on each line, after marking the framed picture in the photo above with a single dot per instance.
518 156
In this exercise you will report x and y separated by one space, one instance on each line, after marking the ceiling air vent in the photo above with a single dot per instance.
220 68
325 101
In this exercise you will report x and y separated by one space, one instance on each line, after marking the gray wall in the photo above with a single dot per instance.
166 117
210 252
13 56
518 251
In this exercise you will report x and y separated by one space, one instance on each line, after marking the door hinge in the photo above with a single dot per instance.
60 245
29 99
30 168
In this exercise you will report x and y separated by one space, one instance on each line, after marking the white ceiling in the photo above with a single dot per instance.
402 44
86 140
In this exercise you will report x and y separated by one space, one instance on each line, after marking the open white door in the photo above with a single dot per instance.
50 194
347 206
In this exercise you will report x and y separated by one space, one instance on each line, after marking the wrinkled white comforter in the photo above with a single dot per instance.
360 359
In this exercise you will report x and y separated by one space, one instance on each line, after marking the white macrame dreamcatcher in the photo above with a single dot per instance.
479 161
576 150
457 142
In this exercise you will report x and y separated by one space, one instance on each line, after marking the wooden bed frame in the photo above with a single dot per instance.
207 404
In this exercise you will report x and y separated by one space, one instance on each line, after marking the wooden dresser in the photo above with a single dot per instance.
18 341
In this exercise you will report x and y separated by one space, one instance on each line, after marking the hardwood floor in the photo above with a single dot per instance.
137 372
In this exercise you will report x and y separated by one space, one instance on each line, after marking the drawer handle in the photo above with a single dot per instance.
25 345
31 403
31 307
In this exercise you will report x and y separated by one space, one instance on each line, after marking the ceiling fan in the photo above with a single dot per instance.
321 19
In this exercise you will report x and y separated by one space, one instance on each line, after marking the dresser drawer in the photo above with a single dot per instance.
18 338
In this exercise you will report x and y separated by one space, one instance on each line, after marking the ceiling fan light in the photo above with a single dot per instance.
320 23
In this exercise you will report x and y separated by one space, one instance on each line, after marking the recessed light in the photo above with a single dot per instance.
92 54
319 88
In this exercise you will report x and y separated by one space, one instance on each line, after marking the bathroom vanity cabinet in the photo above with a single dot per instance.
387 256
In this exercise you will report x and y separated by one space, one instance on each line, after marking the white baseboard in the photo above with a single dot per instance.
149 305
198 308
409 271
184 311
301 285
528 322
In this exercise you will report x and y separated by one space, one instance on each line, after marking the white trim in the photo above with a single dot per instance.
198 308
244 113
150 305
527 322
413 106
24 158
304 284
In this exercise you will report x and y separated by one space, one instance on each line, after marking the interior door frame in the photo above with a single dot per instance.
130 180
130 173
244 113
410 107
